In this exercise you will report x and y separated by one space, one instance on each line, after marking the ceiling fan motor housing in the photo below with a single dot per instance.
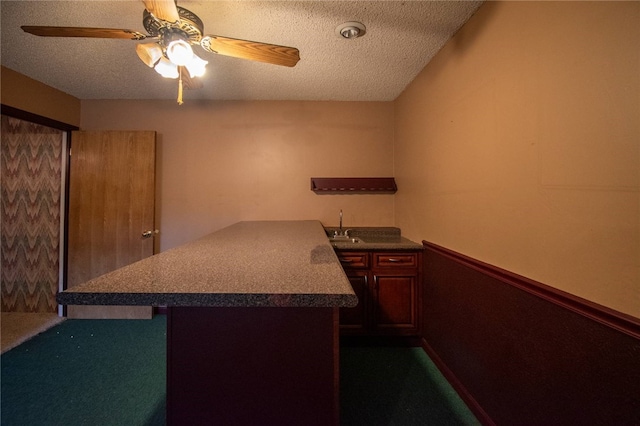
190 26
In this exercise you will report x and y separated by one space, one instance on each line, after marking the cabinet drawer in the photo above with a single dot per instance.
353 259
407 260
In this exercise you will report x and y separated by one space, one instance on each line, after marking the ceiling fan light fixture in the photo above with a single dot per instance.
166 68
179 52
149 53
197 66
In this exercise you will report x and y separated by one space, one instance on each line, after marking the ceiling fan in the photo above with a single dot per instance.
172 30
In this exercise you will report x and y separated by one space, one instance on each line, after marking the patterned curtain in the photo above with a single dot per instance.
30 215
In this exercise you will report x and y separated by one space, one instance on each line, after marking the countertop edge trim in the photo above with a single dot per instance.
213 300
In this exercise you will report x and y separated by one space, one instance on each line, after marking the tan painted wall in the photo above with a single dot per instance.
519 145
27 94
223 162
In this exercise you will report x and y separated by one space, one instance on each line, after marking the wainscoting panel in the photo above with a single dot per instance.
520 352
31 185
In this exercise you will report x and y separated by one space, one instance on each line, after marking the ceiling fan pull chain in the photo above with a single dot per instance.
180 86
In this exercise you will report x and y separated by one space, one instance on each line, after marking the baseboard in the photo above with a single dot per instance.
521 352
462 391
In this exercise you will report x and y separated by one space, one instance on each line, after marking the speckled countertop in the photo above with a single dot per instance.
263 263
372 238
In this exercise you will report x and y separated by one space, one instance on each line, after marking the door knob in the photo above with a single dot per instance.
149 234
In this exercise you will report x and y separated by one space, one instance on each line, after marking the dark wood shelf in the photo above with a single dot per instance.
351 185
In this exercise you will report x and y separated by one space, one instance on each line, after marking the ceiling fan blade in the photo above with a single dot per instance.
252 50
83 32
163 9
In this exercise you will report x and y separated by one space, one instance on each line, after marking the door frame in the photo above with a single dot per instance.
64 202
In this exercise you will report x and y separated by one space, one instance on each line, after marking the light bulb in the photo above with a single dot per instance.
197 66
166 68
179 52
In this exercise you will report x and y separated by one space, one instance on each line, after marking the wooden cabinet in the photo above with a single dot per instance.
388 286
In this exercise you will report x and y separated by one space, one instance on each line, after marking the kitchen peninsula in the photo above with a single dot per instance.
252 327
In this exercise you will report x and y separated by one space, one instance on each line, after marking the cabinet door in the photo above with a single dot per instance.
354 319
395 302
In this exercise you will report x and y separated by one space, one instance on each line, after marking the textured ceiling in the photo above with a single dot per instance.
401 38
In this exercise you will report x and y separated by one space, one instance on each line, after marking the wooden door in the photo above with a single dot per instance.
111 204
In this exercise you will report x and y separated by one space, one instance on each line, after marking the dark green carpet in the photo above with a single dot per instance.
396 386
87 372
112 372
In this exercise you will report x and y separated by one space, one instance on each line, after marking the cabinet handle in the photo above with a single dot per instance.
394 260
346 261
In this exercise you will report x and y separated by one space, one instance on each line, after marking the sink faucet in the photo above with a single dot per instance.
340 232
